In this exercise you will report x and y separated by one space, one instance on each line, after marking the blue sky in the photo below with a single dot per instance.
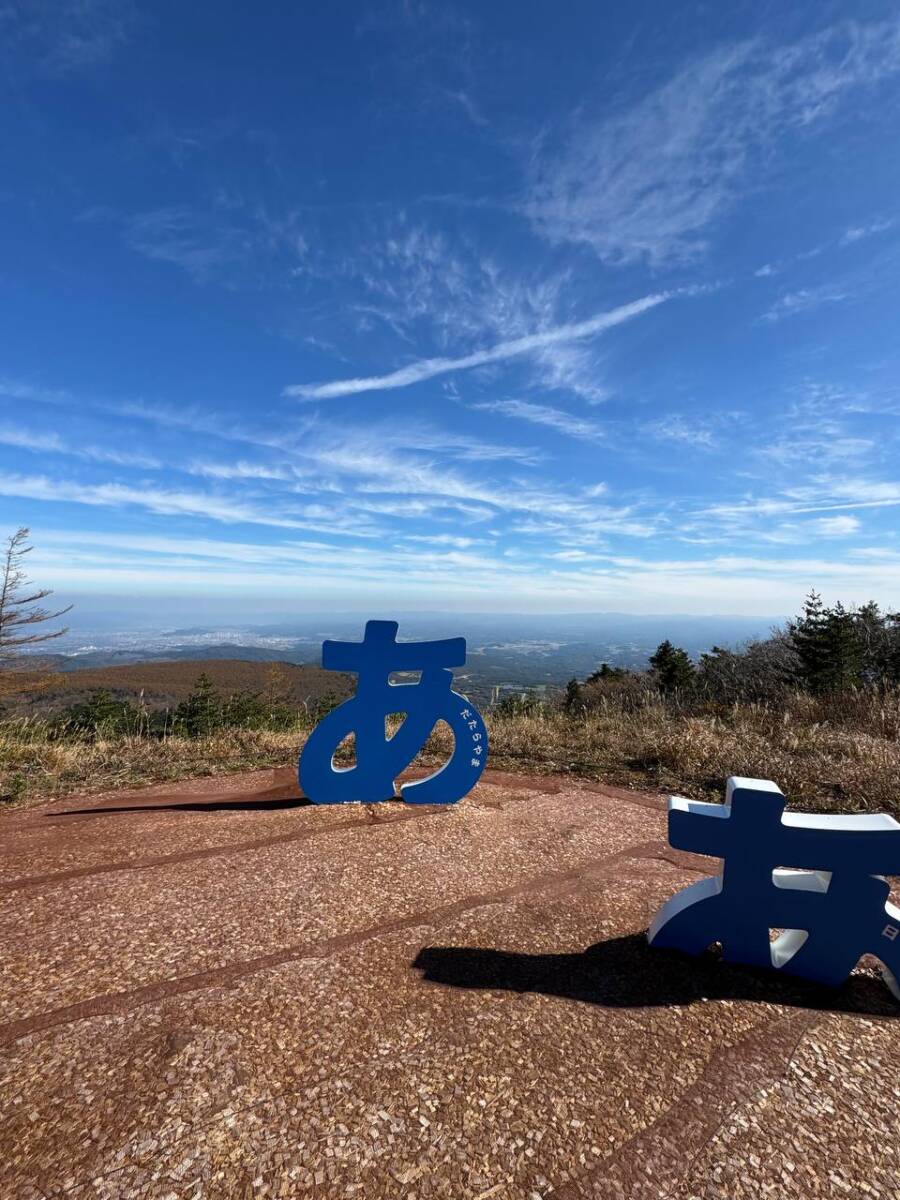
508 306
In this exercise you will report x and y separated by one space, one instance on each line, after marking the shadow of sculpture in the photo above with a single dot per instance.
223 805
626 972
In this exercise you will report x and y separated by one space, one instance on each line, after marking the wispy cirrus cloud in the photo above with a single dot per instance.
650 182
228 240
725 580
59 37
289 456
545 414
429 368
423 437
52 443
850 237
803 300
413 277
172 502
827 495
20 389
332 480
242 471
677 428
842 526
821 427
857 233
442 539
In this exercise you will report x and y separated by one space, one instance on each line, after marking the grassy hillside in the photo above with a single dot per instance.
838 754
816 707
165 683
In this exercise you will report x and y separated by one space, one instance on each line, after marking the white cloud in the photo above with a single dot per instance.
52 443
866 492
24 439
17 389
457 443
410 274
803 300
543 414
64 36
383 479
842 526
168 502
468 105
428 368
565 581
226 241
650 182
570 367
553 509
818 428
828 495
857 232
595 490
244 470
676 428
386 469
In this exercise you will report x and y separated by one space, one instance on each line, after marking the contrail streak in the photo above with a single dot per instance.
428 368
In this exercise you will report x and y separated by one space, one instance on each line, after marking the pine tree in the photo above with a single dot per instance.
844 661
673 668
244 710
573 702
102 714
809 641
892 648
605 672
202 711
830 644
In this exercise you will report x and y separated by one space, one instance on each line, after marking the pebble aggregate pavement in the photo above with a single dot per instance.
214 990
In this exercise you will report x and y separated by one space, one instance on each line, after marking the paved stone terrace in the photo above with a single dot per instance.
215 990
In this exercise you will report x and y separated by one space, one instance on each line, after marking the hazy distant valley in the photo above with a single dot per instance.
508 653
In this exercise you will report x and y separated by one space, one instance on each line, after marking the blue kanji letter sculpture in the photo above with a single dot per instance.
380 759
832 906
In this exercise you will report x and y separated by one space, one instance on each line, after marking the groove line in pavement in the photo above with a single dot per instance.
658 1158
122 1002
162 860
410 813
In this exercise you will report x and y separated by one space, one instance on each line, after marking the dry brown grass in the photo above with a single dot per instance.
34 766
845 760
841 755
163 682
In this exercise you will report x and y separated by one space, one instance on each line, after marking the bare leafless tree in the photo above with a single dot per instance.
21 609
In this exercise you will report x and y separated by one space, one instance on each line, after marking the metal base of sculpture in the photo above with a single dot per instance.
816 878
380 759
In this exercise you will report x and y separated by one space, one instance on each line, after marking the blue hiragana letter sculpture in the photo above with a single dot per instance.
380 759
817 879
